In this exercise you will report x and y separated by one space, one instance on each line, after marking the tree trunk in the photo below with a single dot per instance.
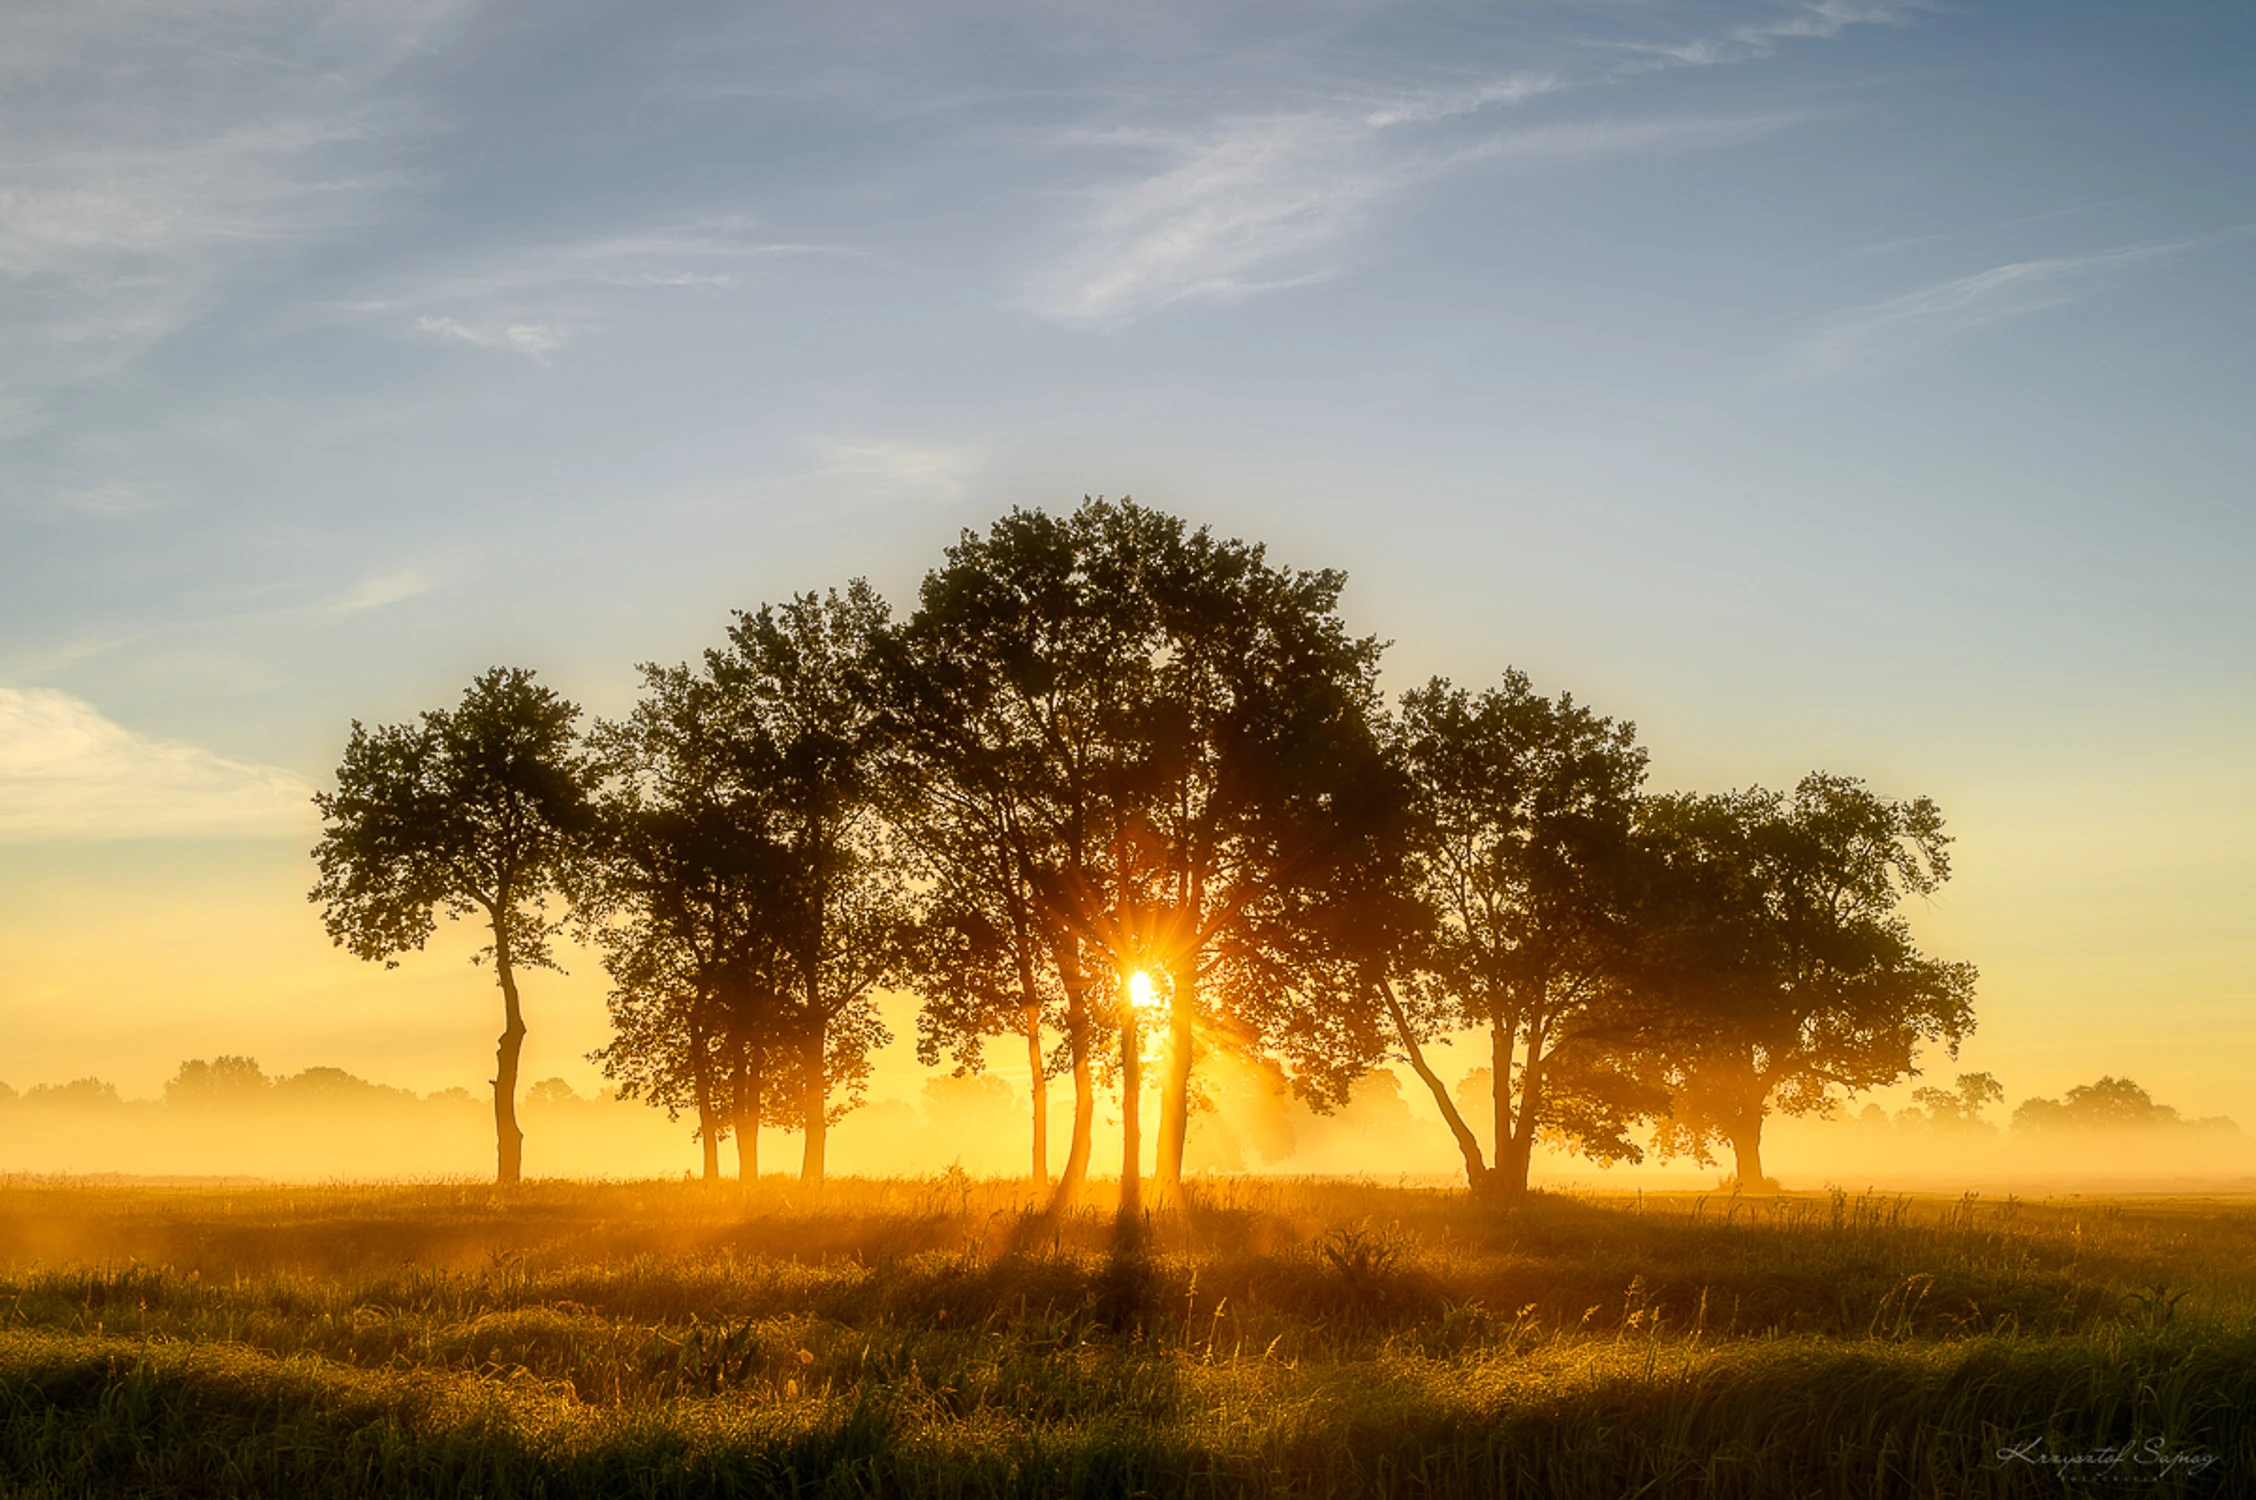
816 1098
816 1084
1175 1093
708 1114
707 1122
509 1141
1468 1144
1076 1173
747 1115
1038 1085
1131 1107
1514 1168
1746 1151
1503 1035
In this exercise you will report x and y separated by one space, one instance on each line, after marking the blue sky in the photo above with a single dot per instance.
1848 384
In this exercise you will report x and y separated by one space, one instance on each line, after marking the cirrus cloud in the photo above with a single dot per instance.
69 774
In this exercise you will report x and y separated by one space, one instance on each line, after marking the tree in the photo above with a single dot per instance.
226 1081
552 1093
1011 689
79 1093
1170 738
981 962
324 1087
2110 1104
984 960
1262 780
1780 948
1524 860
477 809
805 675
1959 1108
688 897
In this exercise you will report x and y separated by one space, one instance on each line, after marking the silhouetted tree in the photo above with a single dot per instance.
1262 780
689 898
1960 1108
223 1083
327 1087
1167 735
1792 975
805 673
1525 856
662 1048
79 1093
478 808
1013 688
982 965
2109 1104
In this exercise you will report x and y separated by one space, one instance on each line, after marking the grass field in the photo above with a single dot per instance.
1275 1338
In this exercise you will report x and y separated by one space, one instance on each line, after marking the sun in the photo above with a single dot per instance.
1140 990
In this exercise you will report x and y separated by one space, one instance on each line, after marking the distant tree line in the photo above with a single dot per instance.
234 1085
231 1082
2109 1104
1129 795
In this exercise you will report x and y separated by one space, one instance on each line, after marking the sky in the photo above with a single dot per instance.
1851 384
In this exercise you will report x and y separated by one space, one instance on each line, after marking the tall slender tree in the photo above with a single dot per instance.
479 809
805 673
1261 763
689 900
1526 862
1014 686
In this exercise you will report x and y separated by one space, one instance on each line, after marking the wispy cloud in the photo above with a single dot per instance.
854 471
387 588
889 466
1651 135
113 499
299 607
1242 206
150 160
69 773
1884 332
1797 20
1255 203
536 300
535 340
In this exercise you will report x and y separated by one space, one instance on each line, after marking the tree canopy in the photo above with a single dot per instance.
1116 775
478 809
1524 812
1778 948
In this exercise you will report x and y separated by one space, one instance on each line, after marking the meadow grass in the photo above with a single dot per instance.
946 1337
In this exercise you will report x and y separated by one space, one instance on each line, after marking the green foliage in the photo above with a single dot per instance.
745 888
